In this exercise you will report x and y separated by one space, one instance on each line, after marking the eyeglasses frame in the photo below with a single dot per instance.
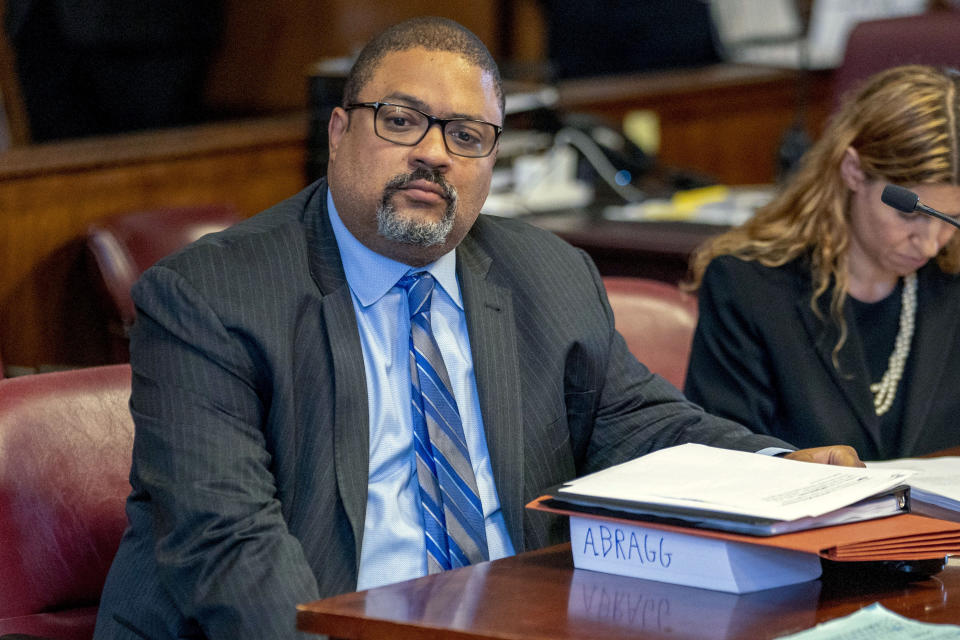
431 120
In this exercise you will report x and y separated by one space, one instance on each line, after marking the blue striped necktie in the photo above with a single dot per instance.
452 513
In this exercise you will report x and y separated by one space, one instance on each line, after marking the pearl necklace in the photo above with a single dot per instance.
886 390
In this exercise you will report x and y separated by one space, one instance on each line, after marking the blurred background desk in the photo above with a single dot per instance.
723 120
540 595
650 249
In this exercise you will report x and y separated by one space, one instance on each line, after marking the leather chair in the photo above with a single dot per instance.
657 320
65 449
931 38
126 245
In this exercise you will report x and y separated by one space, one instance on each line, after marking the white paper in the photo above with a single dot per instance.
936 480
702 477
876 621
687 559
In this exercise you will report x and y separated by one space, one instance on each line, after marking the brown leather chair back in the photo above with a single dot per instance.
126 245
657 320
65 448
931 38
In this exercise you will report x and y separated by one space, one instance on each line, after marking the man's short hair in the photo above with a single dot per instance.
431 33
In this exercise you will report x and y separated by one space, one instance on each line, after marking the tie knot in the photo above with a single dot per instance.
418 286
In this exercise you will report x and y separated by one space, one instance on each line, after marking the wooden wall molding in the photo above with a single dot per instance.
51 193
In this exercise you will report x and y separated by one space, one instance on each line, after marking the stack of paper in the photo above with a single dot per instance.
740 492
936 481
742 514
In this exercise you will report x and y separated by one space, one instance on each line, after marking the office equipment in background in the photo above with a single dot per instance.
578 161
772 32
717 205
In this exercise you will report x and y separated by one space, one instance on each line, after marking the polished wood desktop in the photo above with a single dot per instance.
540 595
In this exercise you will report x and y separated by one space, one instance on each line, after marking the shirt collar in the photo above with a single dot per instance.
371 275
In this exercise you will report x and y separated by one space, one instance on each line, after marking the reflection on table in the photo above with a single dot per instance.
540 595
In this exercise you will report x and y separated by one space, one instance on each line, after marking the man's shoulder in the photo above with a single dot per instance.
496 233
529 260
269 235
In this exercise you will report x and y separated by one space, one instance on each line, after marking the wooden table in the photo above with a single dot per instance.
539 595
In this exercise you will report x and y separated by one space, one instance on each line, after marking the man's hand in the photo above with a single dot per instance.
840 455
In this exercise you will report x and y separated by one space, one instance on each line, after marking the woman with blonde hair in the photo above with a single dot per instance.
830 317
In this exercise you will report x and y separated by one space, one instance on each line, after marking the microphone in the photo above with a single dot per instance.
907 201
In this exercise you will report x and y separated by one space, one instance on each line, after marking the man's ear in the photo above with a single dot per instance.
338 125
851 171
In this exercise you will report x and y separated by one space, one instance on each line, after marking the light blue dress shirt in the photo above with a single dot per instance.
393 546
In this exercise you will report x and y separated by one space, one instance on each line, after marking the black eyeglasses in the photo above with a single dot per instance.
407 126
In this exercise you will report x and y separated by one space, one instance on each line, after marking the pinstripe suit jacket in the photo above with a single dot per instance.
250 458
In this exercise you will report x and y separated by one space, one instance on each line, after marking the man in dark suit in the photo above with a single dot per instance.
275 459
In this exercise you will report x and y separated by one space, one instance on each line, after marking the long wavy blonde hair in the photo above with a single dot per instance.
903 124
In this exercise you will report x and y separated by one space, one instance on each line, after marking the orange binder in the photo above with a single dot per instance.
895 538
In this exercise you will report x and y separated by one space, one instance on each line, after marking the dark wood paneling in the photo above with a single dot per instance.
50 193
268 47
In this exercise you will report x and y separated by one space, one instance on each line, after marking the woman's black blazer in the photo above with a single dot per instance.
762 357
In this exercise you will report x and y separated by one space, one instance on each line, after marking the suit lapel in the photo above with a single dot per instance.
491 324
849 378
938 306
351 422
493 343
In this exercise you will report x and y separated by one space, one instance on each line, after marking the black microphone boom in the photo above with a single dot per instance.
903 199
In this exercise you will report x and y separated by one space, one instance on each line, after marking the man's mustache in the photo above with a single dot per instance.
402 181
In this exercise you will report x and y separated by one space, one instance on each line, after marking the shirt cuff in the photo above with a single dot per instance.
774 451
